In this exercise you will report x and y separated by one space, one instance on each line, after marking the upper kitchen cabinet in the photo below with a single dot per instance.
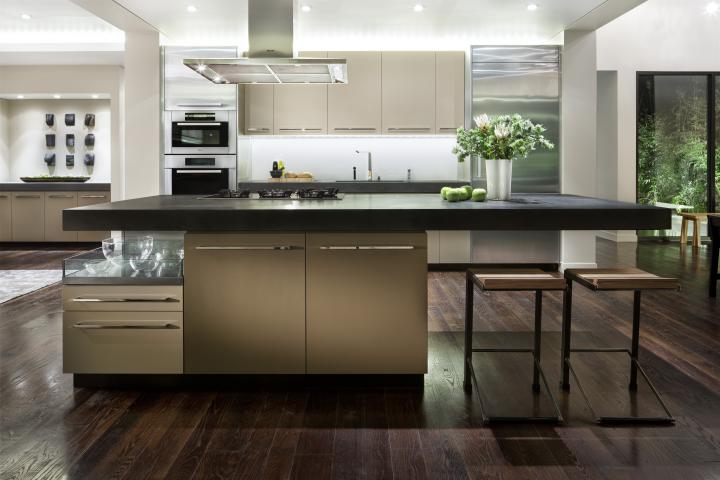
259 109
301 109
408 92
187 90
450 91
355 108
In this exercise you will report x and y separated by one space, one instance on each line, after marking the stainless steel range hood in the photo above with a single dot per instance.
271 58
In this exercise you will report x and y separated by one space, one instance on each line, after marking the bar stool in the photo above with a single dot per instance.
513 280
621 279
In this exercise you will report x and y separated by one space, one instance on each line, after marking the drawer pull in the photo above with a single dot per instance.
93 196
409 129
150 299
198 124
448 129
354 129
254 129
61 196
125 326
3 196
244 247
199 171
27 196
367 247
300 129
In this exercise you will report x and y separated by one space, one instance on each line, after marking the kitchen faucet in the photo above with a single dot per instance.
369 167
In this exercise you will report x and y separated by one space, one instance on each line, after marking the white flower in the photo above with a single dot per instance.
502 131
482 121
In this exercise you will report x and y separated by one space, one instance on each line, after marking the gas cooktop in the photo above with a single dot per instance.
279 194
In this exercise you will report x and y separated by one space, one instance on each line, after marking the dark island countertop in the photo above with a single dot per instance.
366 212
54 187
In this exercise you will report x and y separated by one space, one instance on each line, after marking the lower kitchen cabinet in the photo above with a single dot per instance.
28 217
5 217
55 203
244 303
92 198
367 303
122 342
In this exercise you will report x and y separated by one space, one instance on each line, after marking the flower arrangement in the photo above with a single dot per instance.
501 137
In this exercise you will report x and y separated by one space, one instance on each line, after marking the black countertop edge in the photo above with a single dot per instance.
358 187
54 187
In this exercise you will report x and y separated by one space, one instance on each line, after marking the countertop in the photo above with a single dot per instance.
367 212
384 186
54 187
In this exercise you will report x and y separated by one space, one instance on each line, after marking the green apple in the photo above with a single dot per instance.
479 195
455 195
468 190
444 191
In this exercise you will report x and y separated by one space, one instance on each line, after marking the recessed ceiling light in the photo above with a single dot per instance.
20 97
418 8
191 8
201 68
25 16
712 8
56 96
306 8
532 7
95 95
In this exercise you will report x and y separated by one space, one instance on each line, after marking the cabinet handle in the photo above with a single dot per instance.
354 129
409 129
93 196
198 171
200 105
127 326
61 196
300 129
27 196
367 247
198 124
257 129
161 299
451 129
243 247
3 196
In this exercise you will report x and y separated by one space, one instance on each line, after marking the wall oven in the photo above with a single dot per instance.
199 174
200 132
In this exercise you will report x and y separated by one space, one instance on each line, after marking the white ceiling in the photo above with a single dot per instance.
371 24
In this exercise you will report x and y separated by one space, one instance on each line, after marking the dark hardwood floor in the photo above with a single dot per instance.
49 430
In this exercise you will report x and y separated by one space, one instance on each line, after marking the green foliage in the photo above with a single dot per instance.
501 137
672 155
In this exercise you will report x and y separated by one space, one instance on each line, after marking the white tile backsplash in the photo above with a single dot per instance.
333 158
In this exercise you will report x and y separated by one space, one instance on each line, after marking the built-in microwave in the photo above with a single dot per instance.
200 132
199 174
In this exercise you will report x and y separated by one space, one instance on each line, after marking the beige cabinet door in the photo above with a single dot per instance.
301 109
259 109
408 93
244 303
55 203
367 303
28 217
92 198
450 91
5 217
355 108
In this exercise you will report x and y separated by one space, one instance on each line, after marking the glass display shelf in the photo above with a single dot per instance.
161 264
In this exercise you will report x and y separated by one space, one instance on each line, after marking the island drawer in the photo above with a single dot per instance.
123 342
123 298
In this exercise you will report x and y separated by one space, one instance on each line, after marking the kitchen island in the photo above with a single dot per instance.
292 286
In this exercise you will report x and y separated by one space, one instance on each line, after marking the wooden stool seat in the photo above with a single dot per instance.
620 279
695 218
499 279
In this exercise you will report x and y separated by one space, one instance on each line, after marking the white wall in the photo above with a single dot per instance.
331 158
27 138
659 35
4 141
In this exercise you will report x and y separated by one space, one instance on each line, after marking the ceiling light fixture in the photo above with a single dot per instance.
532 7
95 95
201 68
306 8
712 8
20 97
418 8
25 16
56 96
191 8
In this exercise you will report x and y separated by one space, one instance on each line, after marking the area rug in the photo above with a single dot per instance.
15 283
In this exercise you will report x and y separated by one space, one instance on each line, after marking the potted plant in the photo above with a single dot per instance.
499 140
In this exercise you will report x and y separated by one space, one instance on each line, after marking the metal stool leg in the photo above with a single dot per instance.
566 330
469 291
635 346
536 350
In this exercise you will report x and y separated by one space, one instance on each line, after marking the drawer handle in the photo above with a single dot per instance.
125 299
93 196
451 129
300 129
243 247
126 326
409 129
27 196
198 171
198 124
367 247
3 196
253 129
61 196
356 129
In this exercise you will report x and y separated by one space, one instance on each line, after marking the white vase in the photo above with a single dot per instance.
499 179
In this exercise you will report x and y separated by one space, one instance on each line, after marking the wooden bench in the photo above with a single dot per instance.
696 218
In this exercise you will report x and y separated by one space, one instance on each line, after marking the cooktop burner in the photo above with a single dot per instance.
275 193
226 193
279 194
318 193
